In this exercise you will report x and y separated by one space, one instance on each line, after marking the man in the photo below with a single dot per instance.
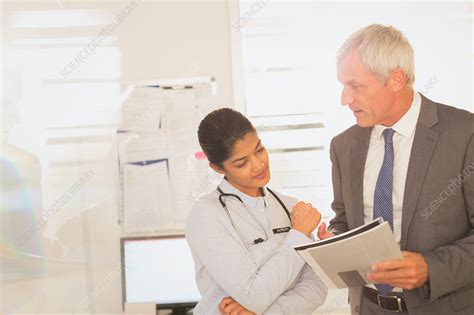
411 161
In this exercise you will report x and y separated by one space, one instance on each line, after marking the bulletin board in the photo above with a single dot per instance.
161 167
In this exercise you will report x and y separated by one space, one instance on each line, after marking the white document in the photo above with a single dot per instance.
189 175
345 260
134 146
142 109
181 121
146 196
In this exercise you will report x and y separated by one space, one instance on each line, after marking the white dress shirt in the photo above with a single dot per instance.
269 277
402 144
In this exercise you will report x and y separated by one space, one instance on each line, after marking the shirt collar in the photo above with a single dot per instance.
249 201
407 124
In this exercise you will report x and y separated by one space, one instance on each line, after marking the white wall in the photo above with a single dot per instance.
178 38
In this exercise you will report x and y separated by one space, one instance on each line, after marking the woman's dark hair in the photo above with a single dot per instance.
219 131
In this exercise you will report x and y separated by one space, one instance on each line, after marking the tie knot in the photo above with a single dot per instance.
388 135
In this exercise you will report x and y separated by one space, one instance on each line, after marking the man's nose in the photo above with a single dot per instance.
346 96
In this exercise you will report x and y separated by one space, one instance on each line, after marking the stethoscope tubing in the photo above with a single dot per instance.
223 204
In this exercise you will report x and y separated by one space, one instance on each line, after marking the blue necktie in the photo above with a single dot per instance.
383 205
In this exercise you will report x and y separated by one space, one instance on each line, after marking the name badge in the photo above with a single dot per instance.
281 230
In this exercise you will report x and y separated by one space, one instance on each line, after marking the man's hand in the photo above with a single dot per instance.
229 306
323 233
408 273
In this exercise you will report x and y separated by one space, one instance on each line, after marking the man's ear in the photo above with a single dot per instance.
216 168
398 80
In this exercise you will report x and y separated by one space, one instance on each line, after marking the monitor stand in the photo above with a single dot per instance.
177 308
181 310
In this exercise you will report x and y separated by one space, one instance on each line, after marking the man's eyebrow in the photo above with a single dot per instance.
244 157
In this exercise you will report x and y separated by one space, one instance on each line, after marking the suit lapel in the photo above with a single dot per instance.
358 157
424 144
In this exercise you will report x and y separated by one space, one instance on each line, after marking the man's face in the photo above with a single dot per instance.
371 100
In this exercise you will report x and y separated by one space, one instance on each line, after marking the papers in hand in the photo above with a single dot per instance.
345 260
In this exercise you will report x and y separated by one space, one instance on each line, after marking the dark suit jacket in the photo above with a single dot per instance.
438 205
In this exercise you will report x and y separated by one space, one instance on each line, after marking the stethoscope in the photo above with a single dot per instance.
258 240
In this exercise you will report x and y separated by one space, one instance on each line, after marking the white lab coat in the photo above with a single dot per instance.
268 277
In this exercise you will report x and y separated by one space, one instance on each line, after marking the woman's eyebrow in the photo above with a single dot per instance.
239 159
244 157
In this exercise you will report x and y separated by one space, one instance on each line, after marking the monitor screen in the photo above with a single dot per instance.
158 269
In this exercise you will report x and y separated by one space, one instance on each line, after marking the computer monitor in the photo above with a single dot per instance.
159 269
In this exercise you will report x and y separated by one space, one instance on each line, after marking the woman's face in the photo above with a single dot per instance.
247 168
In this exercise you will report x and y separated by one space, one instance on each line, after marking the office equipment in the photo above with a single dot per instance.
345 260
159 269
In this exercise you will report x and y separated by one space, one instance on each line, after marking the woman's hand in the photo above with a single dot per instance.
323 233
305 218
229 306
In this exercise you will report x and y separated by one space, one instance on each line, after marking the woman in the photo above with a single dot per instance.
242 234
